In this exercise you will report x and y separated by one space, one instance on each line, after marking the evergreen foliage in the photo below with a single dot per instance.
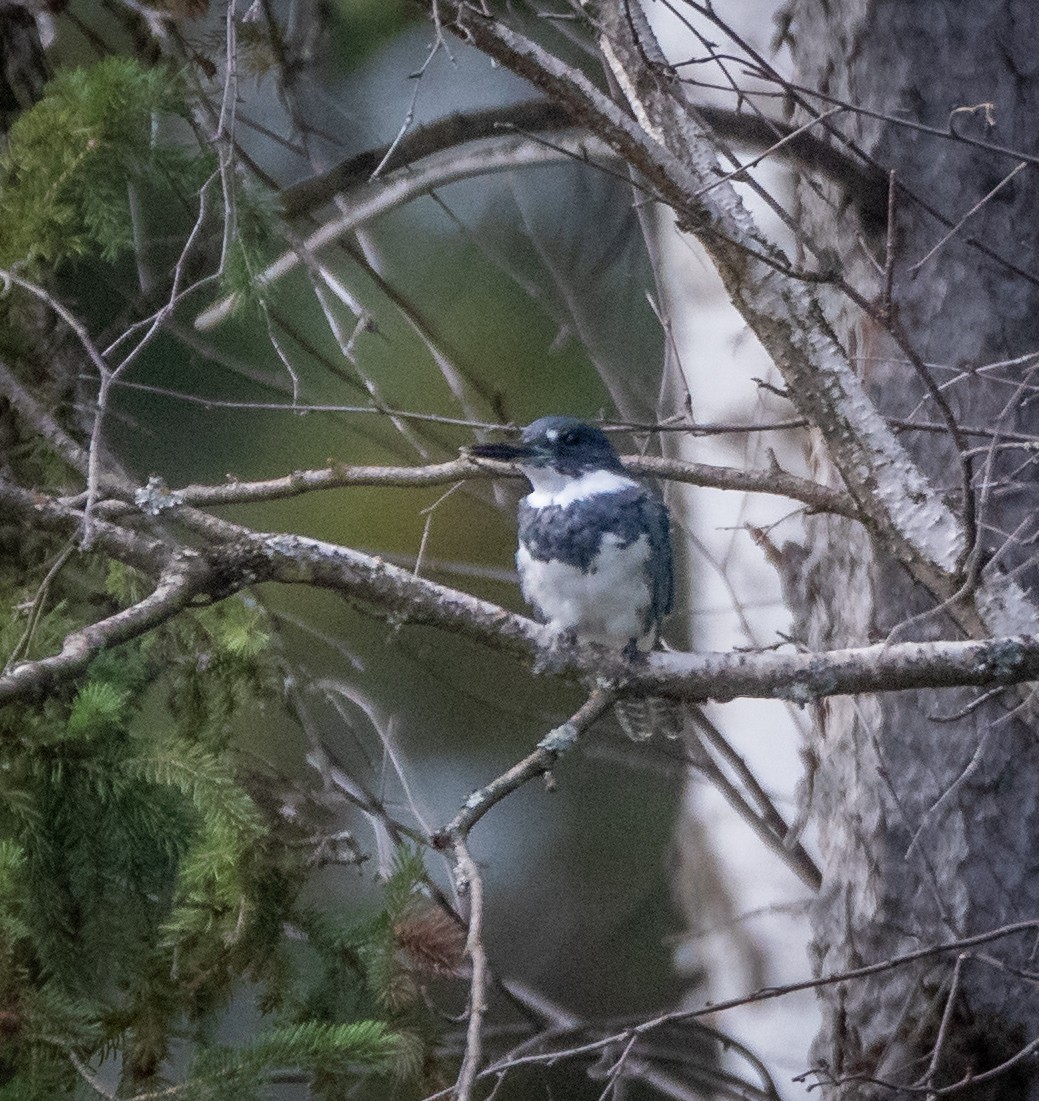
143 888
71 160
141 885
146 883
330 1052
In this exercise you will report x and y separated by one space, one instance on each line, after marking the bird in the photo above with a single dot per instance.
594 556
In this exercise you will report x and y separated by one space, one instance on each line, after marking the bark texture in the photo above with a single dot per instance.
929 826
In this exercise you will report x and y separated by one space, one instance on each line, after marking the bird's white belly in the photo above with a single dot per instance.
607 605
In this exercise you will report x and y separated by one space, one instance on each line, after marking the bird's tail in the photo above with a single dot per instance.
644 717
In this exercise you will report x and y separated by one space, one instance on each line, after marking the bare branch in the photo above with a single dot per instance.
769 825
535 764
773 136
772 992
396 595
501 154
469 878
47 514
64 445
797 677
456 834
818 497
177 587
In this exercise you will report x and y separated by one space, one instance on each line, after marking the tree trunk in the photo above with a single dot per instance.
929 824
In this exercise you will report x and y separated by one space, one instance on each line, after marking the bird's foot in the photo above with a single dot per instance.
634 653
556 650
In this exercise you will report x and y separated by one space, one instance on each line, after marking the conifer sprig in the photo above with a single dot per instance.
70 160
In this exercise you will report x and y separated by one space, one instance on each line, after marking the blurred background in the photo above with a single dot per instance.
489 301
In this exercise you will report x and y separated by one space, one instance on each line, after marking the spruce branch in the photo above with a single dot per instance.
311 1046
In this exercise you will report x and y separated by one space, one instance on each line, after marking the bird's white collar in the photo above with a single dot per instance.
552 488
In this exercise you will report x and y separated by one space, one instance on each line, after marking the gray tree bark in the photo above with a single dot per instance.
928 826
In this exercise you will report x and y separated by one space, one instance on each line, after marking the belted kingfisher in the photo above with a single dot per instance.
594 553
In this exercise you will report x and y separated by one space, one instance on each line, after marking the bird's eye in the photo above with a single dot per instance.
569 437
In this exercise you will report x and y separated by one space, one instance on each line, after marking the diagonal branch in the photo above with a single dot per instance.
500 154
41 419
538 763
456 836
765 821
177 586
665 143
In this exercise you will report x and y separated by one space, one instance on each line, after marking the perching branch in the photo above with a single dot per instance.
395 593
397 596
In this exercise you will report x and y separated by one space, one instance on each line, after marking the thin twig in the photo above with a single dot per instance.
36 609
973 210
770 993
889 250
455 835
469 879
533 765
943 1028
818 497
768 823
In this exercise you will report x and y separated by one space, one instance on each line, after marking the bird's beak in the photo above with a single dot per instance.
503 452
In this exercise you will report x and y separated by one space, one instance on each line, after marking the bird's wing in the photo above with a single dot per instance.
661 562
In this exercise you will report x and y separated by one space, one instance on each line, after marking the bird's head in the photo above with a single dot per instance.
566 445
